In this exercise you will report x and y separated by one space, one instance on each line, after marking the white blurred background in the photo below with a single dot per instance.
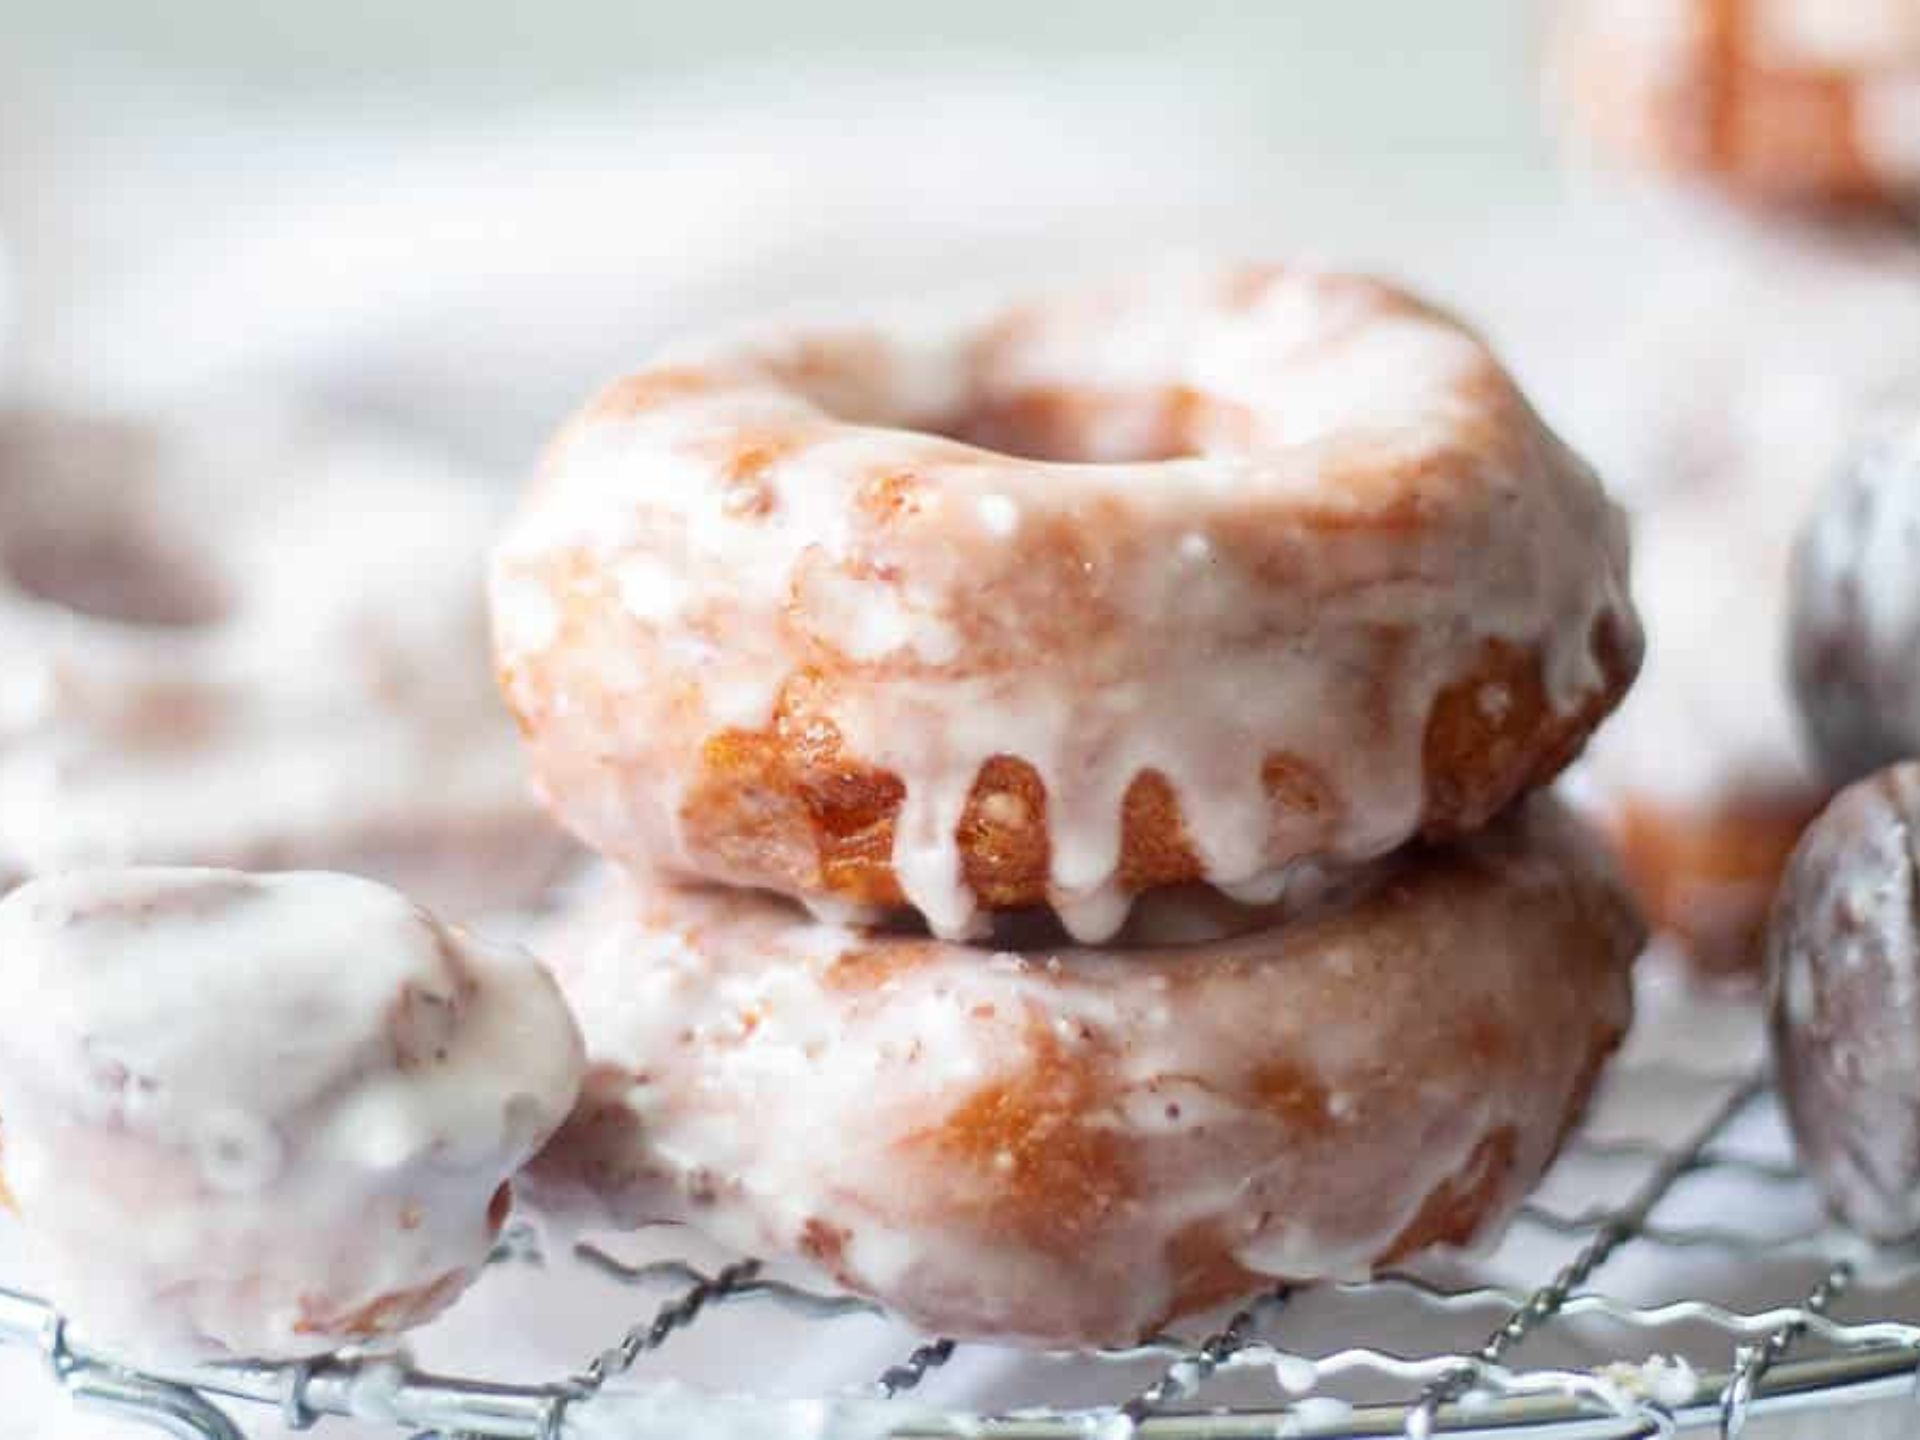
461 216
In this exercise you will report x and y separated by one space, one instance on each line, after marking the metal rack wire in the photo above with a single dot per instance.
1243 1377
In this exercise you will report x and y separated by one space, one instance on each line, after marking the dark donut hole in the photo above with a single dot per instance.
124 577
1054 424
1063 425
1098 419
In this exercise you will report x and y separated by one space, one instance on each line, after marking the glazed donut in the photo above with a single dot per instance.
263 1116
1780 99
1188 581
1072 1146
1844 967
230 641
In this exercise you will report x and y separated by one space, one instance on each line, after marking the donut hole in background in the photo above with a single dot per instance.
88 528
126 576
1090 424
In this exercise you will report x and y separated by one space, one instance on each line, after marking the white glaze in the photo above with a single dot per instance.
1095 620
1668 1381
237 1111
330 708
1016 1143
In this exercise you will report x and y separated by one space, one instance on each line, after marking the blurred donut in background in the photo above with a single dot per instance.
1723 396
1205 574
233 638
1785 100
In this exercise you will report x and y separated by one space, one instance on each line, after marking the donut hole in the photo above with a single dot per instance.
123 576
1084 422
1059 424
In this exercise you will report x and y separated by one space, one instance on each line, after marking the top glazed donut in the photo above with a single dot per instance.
1785 99
1197 579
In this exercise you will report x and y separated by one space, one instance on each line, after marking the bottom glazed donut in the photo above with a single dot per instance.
1074 1146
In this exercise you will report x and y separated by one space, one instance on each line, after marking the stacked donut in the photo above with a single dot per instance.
1142 690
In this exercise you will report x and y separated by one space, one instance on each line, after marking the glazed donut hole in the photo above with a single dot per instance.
1844 976
113 552
263 1116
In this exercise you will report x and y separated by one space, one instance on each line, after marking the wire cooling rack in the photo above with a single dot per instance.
1690 1286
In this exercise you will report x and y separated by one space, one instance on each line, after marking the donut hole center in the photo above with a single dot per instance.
1085 425
123 576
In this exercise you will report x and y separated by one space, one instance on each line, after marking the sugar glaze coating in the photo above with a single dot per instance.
1071 1146
1844 970
231 641
263 1116
1296 575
